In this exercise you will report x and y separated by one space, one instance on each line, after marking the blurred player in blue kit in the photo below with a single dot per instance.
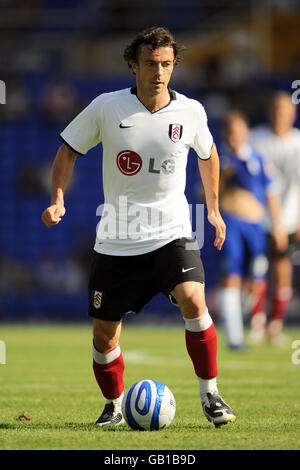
247 189
146 132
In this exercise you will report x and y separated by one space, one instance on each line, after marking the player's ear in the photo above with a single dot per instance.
133 66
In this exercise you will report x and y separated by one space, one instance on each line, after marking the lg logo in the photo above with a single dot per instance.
166 167
130 163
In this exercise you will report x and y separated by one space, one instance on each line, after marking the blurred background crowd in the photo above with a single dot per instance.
55 57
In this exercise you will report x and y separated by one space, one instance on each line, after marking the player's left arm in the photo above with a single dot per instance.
210 175
274 205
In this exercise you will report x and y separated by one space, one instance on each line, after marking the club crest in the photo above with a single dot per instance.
175 132
97 298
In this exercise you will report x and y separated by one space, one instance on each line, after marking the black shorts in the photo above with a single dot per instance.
124 284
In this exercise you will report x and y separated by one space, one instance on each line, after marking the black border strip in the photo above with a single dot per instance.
173 97
205 159
65 142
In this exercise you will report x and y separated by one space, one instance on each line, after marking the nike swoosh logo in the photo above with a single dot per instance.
124 127
185 270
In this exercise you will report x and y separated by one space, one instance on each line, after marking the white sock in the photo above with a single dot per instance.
207 386
199 323
116 401
231 310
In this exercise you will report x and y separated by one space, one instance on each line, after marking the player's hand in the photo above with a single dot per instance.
217 221
53 214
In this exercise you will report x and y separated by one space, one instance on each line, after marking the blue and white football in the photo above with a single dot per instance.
148 405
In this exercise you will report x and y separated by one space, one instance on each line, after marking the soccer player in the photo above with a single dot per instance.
279 143
246 188
144 244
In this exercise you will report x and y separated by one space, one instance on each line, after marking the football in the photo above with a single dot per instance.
148 405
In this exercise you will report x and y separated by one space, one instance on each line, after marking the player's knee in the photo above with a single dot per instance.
192 305
259 266
102 341
190 298
104 337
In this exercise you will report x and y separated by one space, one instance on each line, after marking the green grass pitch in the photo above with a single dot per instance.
48 378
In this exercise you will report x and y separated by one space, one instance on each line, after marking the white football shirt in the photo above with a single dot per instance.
284 153
144 167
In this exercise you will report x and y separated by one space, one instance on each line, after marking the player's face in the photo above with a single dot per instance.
153 69
284 112
237 133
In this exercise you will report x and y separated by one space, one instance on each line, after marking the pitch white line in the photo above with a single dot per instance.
140 357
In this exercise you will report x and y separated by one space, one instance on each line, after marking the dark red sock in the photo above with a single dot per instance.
202 349
260 298
281 302
109 374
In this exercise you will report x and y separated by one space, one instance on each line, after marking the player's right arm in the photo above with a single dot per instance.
62 171
278 232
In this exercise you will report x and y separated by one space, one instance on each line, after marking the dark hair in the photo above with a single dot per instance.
232 116
156 36
279 95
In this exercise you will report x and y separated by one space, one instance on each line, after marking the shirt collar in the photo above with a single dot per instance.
172 93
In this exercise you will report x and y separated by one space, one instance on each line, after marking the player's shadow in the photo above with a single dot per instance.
32 426
88 426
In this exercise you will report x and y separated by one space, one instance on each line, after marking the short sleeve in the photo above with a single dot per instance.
84 132
203 140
